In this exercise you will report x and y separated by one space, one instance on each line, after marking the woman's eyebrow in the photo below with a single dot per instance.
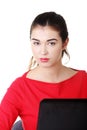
35 39
52 39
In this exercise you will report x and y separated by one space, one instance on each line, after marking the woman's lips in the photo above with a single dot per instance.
44 59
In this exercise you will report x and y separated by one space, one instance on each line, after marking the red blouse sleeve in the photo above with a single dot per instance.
10 106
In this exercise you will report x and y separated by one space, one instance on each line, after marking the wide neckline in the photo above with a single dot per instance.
79 72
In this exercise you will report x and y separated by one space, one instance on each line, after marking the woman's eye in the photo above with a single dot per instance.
36 43
52 43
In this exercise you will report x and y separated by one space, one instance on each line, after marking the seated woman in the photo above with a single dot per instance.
47 77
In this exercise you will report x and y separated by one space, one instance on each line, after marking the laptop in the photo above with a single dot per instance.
62 114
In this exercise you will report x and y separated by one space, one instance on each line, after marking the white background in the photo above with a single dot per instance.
15 20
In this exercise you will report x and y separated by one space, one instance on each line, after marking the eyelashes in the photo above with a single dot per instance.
48 43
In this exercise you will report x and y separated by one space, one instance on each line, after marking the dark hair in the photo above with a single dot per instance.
54 20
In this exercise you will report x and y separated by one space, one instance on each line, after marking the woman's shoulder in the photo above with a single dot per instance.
80 71
83 73
18 81
22 76
82 76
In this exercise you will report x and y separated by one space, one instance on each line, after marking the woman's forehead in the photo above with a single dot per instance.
44 30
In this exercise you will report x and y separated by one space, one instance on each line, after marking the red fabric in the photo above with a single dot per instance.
24 95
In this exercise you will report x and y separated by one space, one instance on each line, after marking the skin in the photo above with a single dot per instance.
47 48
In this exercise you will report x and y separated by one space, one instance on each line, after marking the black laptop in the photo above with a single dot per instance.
62 114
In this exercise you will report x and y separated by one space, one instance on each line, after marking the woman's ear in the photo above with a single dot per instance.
65 44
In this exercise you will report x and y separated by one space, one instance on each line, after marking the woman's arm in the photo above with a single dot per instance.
10 107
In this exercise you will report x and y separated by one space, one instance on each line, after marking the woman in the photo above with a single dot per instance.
48 79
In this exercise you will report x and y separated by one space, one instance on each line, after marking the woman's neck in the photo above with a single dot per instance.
50 74
49 71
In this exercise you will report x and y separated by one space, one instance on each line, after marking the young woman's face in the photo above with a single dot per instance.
46 46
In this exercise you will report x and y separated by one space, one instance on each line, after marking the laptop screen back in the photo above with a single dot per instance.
62 114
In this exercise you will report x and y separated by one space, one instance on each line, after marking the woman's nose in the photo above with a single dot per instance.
44 50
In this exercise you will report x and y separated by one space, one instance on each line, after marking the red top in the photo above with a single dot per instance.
24 95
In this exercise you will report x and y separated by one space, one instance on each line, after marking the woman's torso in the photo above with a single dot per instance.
35 91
